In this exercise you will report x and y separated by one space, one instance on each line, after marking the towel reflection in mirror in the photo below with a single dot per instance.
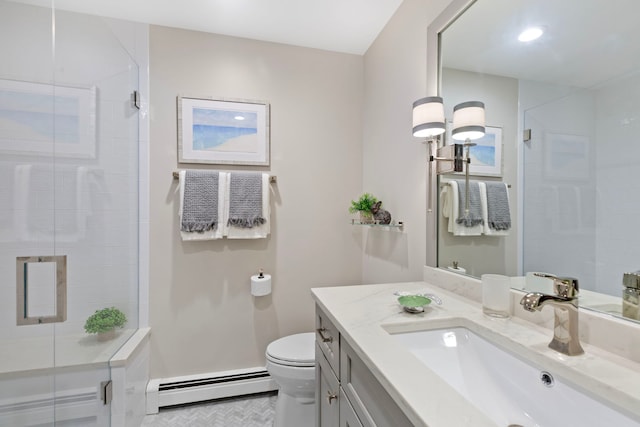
489 209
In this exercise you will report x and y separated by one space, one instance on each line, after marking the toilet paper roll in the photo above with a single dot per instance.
260 286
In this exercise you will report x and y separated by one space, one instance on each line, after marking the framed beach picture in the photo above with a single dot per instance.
43 119
486 155
223 131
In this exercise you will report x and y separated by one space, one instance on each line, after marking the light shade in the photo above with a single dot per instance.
468 121
428 117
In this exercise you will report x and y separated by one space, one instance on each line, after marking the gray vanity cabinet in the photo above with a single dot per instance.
347 393
348 417
327 393
371 402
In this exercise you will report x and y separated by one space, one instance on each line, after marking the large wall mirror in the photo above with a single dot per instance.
575 92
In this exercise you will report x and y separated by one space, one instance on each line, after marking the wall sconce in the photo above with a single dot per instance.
429 122
428 117
468 121
468 124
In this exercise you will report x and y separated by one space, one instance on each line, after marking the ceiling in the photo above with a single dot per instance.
348 26
586 42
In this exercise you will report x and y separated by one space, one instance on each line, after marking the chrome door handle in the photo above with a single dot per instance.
331 396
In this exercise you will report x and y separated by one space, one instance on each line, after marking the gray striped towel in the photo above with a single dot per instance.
200 201
474 216
245 199
498 215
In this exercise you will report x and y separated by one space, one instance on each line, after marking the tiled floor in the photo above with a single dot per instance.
246 411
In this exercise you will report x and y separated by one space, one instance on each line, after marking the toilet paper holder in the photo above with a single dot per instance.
260 284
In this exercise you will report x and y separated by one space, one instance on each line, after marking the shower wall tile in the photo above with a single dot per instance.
618 237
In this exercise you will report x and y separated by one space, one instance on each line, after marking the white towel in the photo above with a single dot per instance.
255 232
450 210
217 232
485 213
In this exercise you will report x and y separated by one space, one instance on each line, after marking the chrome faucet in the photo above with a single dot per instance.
565 303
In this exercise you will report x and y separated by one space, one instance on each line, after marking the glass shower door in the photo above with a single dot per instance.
559 187
27 106
96 206
69 211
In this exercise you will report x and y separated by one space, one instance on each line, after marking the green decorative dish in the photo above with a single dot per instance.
414 303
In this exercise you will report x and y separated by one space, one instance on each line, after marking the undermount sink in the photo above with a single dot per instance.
504 387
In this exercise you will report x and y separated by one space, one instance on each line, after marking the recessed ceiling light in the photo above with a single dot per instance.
239 117
530 34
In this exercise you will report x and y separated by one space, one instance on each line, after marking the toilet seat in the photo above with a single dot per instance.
293 350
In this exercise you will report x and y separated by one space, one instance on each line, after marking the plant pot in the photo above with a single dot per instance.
106 336
366 217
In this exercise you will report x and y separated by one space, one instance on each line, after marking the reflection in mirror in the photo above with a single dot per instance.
573 94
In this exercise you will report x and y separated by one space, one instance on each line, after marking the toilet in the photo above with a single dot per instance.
291 364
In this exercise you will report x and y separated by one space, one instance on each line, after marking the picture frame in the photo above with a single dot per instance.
486 155
42 119
223 131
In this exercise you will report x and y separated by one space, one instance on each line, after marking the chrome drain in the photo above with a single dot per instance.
547 379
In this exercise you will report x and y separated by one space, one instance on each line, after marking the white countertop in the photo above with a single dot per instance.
367 314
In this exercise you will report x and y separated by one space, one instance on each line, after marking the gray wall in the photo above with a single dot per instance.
203 316
341 125
394 161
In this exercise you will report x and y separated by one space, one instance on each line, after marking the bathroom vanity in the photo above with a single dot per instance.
347 393
367 377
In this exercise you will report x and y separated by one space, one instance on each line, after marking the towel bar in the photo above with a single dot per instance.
442 184
273 179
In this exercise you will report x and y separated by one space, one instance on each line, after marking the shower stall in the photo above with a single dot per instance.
69 212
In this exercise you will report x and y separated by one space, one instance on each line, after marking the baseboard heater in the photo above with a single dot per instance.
165 392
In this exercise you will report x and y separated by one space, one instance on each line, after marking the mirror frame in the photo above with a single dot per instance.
434 31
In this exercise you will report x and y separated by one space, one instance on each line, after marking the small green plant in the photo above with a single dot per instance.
363 204
105 320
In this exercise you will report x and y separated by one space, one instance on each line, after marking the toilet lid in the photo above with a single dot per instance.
294 349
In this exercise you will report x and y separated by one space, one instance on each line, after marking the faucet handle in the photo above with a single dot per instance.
566 287
631 280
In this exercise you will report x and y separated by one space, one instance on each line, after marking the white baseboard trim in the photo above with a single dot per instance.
163 392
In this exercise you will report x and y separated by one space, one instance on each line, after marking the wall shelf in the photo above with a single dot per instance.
394 224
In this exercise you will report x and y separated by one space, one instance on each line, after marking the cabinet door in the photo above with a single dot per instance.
327 393
371 402
328 338
348 417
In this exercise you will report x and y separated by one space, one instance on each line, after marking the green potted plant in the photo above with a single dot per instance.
363 206
104 323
